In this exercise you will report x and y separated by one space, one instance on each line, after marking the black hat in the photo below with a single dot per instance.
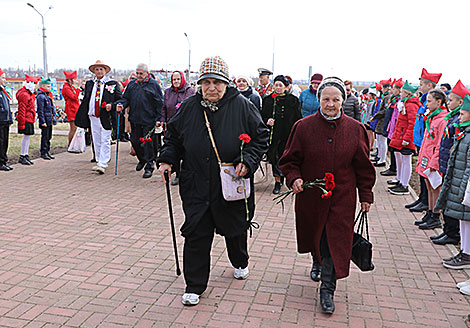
264 71
447 86
282 79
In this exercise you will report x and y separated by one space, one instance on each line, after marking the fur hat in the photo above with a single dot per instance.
215 68
282 79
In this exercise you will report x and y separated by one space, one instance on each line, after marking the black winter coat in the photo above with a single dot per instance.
145 100
107 118
253 96
288 111
45 109
187 139
447 142
351 107
5 111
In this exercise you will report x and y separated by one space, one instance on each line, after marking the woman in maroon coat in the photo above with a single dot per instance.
325 226
71 94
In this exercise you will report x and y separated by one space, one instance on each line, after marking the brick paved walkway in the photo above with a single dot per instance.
82 250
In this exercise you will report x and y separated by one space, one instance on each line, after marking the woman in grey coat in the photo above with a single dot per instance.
453 189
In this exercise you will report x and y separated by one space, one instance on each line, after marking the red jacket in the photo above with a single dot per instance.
70 94
26 112
405 125
341 147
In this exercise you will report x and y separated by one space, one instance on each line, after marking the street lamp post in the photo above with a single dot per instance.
44 53
189 59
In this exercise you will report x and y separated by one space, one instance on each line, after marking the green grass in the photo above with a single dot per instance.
58 144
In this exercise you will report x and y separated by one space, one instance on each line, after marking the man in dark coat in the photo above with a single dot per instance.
325 226
229 115
6 119
98 111
144 97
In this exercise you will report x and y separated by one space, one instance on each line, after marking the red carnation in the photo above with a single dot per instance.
327 195
142 139
149 139
245 138
329 177
329 185
274 95
457 131
103 104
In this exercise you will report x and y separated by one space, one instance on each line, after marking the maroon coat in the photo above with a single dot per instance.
341 147
405 125
26 112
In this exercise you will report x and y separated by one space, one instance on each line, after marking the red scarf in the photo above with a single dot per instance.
48 93
183 81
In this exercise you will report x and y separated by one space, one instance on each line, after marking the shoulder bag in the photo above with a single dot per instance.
362 247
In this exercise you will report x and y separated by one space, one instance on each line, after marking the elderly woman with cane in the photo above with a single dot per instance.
325 224
205 134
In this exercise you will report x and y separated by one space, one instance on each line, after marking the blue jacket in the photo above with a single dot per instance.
418 131
447 142
5 112
145 100
45 109
373 124
309 103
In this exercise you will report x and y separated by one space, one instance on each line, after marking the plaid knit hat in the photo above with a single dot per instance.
214 68
335 82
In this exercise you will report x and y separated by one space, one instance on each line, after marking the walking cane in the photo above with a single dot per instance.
172 222
117 141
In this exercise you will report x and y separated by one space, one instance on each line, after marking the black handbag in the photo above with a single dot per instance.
362 247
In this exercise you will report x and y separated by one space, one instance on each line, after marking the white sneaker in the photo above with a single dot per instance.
463 284
190 299
465 290
98 169
241 273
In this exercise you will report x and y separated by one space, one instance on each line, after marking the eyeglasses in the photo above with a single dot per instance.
139 73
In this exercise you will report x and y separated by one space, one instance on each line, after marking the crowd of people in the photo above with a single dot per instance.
289 128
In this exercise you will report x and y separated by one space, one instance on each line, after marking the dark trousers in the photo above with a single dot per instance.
328 273
4 134
393 162
197 254
423 190
46 135
145 152
451 227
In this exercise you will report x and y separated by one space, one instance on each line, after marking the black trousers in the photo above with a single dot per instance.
144 152
328 273
451 227
423 190
393 162
197 254
46 136
4 134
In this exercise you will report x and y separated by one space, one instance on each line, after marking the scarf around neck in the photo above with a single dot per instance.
429 118
452 113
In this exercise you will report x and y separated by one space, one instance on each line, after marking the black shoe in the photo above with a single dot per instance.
147 174
277 188
390 188
140 166
28 159
374 154
9 167
424 219
50 156
388 173
3 167
379 164
23 160
393 182
419 208
93 160
400 190
437 236
315 274
326 302
432 223
175 181
446 240
47 158
416 202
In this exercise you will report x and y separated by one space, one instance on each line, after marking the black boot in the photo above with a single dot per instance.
28 159
23 160
432 223
416 202
277 188
315 274
328 285
424 219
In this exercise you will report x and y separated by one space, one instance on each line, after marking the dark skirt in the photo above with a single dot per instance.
403 151
28 129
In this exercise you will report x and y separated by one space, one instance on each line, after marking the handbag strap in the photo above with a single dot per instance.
362 223
211 136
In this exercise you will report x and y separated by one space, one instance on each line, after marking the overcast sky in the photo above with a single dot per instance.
356 40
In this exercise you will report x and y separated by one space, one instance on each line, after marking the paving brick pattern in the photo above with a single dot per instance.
82 250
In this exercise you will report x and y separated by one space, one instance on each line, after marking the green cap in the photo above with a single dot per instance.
466 103
409 87
45 81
